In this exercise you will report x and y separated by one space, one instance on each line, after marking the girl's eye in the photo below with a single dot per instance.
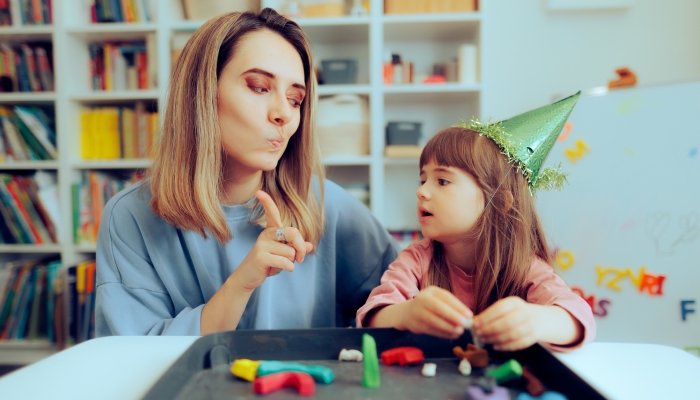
442 182
422 183
295 103
257 89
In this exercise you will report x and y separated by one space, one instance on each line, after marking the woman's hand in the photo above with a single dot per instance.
435 311
509 324
268 256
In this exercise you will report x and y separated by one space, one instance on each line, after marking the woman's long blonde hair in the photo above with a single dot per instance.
187 174
508 233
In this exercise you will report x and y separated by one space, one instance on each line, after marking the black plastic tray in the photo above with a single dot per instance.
202 372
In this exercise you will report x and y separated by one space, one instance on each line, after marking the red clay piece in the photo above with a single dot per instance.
533 385
402 355
302 382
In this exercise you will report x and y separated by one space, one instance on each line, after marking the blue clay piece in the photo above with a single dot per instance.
320 373
545 396
475 392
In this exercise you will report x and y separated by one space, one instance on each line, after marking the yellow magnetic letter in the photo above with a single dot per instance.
577 152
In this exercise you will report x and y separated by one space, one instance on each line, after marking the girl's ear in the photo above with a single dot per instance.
508 201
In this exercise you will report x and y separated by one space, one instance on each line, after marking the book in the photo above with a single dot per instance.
80 282
18 185
9 311
38 129
44 69
33 145
17 146
11 187
29 187
21 302
14 271
19 217
53 270
72 297
25 306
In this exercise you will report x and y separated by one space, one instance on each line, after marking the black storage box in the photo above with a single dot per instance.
339 71
403 133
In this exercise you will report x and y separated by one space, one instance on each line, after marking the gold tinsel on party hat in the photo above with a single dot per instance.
526 140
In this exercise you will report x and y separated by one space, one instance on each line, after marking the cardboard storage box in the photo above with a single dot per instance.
428 6
342 124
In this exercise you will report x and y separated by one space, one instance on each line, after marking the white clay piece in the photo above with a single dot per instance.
350 355
429 369
464 367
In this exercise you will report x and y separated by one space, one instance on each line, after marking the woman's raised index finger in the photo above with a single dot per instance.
271 212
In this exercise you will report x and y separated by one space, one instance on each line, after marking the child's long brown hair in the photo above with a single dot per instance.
508 234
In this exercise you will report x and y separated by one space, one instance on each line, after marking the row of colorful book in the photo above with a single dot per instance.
25 12
42 300
27 215
26 67
89 199
110 133
123 11
123 66
26 133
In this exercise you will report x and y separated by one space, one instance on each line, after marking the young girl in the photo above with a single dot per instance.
236 194
485 251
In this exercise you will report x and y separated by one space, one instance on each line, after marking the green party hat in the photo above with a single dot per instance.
526 140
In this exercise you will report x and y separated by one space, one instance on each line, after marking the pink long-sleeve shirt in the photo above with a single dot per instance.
406 277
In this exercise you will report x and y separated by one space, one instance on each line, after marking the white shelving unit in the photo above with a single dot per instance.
422 39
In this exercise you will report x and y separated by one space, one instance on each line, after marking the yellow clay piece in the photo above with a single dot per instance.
245 369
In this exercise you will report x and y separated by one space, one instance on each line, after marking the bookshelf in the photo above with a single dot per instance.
424 39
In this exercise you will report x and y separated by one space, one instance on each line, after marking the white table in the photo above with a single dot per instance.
126 367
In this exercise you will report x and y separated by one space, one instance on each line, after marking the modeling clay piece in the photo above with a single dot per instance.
350 355
475 392
486 383
626 78
319 373
478 358
402 355
429 369
370 372
508 371
245 369
303 383
544 396
464 367
533 385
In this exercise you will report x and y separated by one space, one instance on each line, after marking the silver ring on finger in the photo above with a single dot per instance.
279 232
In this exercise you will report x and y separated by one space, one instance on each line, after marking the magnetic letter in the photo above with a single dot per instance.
565 259
577 152
685 310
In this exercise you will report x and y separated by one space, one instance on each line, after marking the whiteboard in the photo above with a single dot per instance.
633 202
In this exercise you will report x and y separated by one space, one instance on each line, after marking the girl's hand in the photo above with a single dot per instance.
437 312
509 324
268 256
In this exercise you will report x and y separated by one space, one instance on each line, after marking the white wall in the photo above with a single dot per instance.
535 54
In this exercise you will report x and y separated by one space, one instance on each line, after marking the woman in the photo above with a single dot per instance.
236 194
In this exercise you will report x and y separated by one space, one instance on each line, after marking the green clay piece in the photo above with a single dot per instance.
319 373
506 372
370 373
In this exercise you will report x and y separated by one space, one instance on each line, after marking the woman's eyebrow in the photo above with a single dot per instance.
272 76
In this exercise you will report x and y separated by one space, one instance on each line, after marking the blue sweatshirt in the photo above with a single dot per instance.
154 279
